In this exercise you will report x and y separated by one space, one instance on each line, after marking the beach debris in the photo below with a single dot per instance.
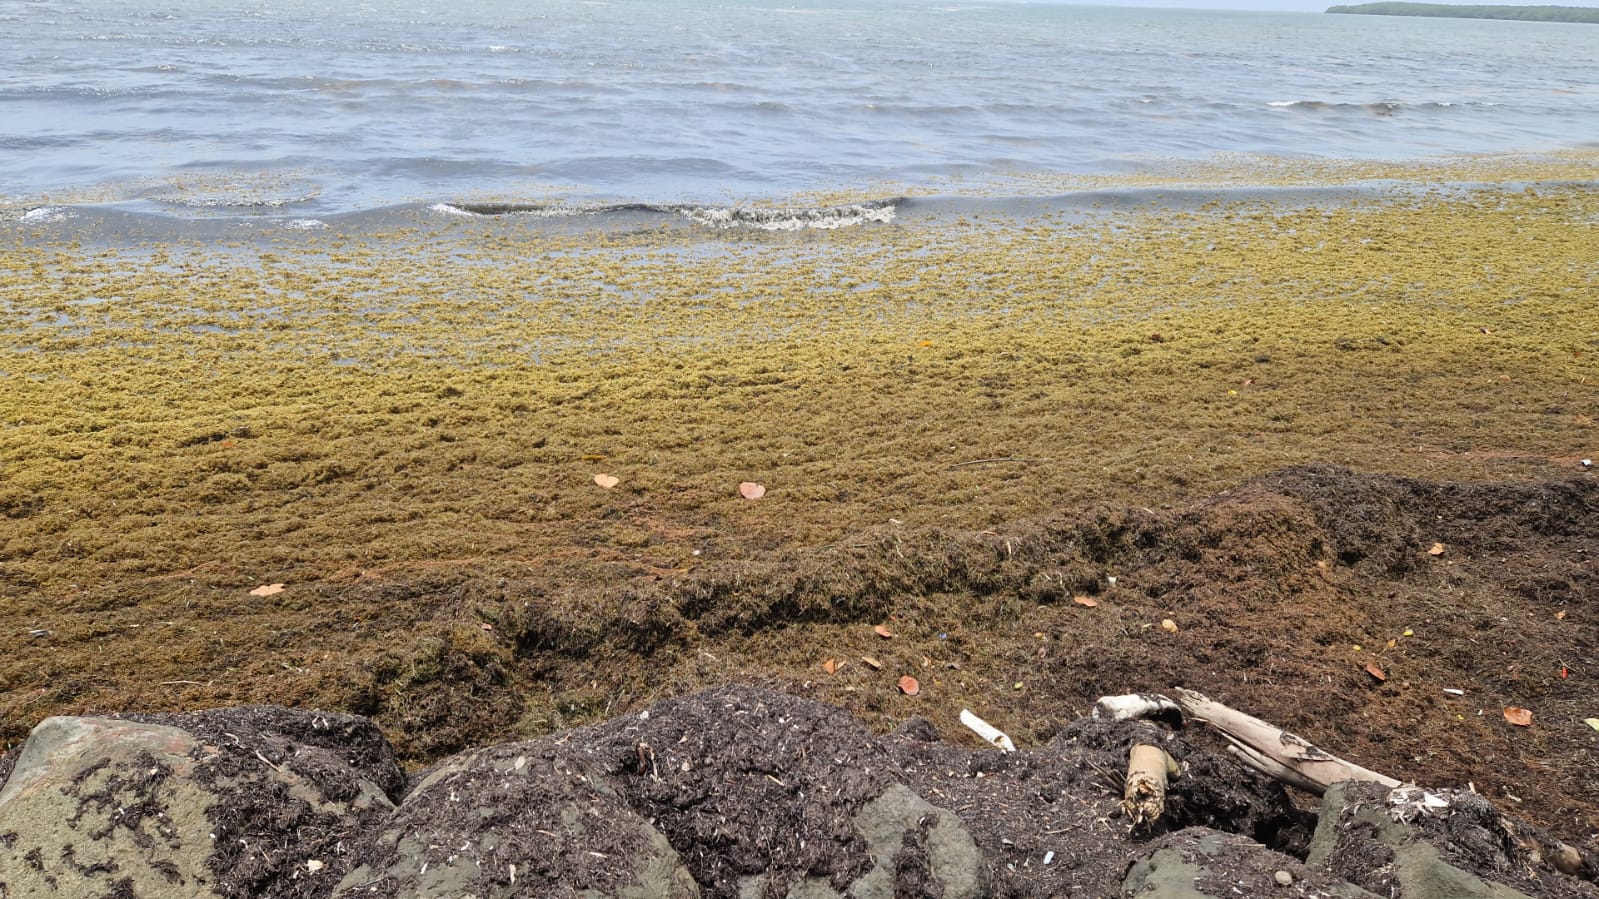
1374 671
1591 722
991 735
1167 624
909 685
882 631
267 590
1144 792
871 663
1273 751
751 490
1437 549
1085 601
1138 706
1518 716
607 481
1452 691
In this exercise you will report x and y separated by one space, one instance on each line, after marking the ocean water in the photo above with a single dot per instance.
290 109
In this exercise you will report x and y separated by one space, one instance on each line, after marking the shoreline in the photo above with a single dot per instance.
405 428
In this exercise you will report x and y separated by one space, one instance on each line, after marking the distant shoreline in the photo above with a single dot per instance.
1589 15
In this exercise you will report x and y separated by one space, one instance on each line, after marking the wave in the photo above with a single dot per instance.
1377 108
761 218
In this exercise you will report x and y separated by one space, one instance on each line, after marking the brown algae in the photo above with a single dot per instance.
388 423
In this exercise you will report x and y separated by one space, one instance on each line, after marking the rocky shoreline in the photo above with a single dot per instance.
732 793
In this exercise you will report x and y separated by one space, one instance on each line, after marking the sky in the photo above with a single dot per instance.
1316 5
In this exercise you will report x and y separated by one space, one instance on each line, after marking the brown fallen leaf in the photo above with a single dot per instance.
1560 615
830 666
1518 716
751 490
1168 624
909 686
1374 671
267 590
882 631
1437 549
872 663
1087 601
607 481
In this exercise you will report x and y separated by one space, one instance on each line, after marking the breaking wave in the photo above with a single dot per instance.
762 218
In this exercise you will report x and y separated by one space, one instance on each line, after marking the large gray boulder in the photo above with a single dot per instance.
94 807
516 820
725 794
231 803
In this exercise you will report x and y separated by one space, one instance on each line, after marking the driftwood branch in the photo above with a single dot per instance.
1144 798
1274 751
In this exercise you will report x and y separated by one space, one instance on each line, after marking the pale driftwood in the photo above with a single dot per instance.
1138 705
1274 751
1144 798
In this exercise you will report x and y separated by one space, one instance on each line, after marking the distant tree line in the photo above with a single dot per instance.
1522 13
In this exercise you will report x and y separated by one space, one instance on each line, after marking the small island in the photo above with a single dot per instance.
1447 10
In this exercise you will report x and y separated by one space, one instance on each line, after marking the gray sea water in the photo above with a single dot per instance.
296 109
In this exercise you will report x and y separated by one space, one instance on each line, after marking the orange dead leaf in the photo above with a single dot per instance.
1088 601
925 343
1560 615
830 666
1518 716
1437 549
751 490
1392 643
883 631
1374 671
1168 624
267 590
872 663
909 686
607 481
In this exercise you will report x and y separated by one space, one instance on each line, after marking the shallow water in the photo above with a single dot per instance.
291 110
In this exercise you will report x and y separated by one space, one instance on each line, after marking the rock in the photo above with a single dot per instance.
1416 848
96 806
518 819
766 792
916 848
230 803
1200 863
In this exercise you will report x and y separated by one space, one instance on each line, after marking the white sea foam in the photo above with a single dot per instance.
42 214
447 209
789 219
306 225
